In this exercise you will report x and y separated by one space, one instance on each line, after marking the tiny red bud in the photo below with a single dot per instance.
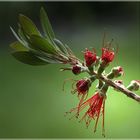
82 86
120 82
90 57
107 55
120 69
76 69
117 71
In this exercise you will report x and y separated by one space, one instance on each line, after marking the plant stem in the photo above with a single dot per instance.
114 85
108 81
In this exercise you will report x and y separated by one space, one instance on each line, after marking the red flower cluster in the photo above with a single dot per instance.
90 57
107 55
96 105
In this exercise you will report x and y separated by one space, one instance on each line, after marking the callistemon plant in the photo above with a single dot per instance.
35 48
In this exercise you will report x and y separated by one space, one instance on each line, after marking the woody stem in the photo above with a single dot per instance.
108 81
114 85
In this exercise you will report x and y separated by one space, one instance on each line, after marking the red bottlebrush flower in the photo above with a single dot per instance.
90 57
96 106
82 87
107 55
76 69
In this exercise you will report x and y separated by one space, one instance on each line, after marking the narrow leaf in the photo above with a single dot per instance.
40 43
60 46
47 28
21 34
28 58
28 26
70 52
18 46
16 36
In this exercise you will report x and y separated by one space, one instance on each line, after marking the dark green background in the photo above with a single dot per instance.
32 103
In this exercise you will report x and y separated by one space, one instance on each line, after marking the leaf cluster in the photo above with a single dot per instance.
34 48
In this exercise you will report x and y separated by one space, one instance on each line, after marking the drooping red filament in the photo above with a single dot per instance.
82 87
96 106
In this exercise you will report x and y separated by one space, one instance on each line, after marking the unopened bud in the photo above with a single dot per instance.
90 57
118 71
134 85
83 86
107 55
115 72
76 69
119 83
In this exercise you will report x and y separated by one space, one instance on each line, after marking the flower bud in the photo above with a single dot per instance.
115 72
119 83
118 71
76 69
134 85
107 55
83 86
90 58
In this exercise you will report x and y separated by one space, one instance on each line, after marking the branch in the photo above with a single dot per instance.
100 77
122 89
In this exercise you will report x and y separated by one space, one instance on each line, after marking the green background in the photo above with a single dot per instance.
32 103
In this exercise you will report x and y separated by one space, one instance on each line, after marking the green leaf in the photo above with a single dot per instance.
47 28
70 52
22 34
61 46
18 46
28 58
28 26
16 36
40 43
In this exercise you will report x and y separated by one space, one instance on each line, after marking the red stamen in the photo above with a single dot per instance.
107 55
96 105
90 57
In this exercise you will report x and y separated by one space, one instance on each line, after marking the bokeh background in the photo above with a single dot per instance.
32 103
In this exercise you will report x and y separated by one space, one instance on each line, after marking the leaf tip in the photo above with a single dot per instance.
42 9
